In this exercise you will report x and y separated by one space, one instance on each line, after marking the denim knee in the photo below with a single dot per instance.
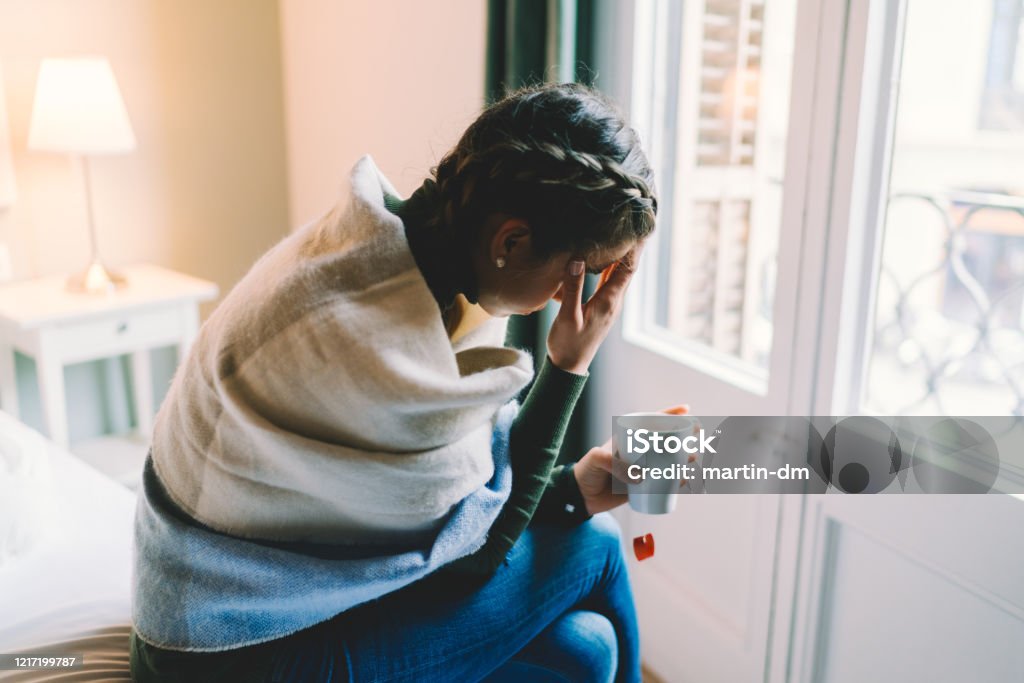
578 647
601 537
589 644
604 525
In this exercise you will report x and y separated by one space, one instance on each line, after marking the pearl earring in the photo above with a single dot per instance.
500 261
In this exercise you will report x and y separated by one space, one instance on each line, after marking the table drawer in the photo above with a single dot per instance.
116 334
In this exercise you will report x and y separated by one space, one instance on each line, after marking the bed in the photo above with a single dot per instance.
69 591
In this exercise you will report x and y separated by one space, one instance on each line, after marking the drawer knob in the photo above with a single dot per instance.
122 328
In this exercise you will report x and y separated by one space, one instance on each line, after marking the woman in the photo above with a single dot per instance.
340 486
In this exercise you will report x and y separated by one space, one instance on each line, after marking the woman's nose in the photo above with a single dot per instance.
557 296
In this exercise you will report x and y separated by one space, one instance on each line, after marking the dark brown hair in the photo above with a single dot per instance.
559 156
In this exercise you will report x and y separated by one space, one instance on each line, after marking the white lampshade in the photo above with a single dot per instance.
78 109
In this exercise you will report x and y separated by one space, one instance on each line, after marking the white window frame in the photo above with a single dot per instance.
853 208
649 116
840 208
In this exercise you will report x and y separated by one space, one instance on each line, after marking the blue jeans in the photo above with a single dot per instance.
559 609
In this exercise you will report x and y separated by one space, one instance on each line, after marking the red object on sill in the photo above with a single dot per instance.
643 546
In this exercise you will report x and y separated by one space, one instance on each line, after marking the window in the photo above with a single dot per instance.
717 116
1002 103
949 321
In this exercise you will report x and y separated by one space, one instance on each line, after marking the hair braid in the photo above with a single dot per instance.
561 157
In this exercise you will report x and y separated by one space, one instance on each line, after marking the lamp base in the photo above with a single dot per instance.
96 279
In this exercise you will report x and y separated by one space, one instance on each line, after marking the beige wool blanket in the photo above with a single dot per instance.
323 400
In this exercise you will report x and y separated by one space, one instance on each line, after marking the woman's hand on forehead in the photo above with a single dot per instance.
628 262
580 327
601 263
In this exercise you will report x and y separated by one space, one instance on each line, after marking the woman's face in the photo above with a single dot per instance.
527 283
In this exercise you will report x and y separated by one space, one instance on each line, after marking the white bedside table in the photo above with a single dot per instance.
40 318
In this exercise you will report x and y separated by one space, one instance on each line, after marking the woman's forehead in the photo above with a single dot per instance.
602 257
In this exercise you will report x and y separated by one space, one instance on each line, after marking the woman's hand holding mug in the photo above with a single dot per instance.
579 328
595 470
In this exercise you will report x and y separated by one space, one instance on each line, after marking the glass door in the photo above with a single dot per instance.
840 235
725 95
948 327
919 313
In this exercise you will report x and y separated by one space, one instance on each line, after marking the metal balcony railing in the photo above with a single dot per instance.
949 330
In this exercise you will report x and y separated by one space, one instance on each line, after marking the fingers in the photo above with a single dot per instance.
613 285
684 482
572 290
618 468
604 459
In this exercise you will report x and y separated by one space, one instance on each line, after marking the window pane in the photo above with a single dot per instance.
725 123
948 328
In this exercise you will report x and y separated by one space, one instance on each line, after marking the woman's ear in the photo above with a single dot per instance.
511 243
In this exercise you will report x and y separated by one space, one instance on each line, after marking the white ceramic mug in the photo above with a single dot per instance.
654 496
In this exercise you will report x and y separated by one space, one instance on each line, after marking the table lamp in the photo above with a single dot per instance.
78 110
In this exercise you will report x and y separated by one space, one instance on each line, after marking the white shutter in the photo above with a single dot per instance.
718 108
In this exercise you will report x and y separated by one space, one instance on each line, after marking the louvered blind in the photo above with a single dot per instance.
718 185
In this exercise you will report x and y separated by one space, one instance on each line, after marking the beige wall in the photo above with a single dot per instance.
205 192
207 84
397 79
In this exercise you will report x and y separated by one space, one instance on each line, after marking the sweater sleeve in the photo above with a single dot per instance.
535 439
562 502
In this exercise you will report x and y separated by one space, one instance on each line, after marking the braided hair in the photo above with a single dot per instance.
559 156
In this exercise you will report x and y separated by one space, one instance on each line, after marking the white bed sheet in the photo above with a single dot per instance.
72 591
